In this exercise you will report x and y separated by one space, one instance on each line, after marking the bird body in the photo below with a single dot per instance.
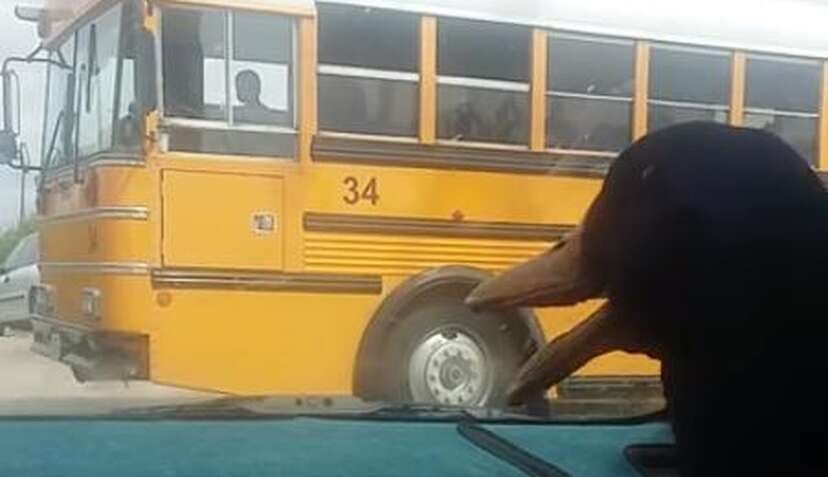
709 242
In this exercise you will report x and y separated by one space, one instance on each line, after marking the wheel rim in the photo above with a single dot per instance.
450 366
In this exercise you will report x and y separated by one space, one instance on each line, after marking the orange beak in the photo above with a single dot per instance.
559 277
600 333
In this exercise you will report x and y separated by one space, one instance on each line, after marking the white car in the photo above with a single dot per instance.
17 277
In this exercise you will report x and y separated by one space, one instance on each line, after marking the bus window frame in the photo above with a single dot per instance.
171 122
815 116
372 73
550 92
502 86
354 72
724 107
485 84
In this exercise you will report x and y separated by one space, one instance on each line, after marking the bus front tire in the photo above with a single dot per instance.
444 353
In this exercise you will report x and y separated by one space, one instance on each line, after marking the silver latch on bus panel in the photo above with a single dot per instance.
264 223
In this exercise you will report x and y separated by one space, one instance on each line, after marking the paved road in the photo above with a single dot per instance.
31 381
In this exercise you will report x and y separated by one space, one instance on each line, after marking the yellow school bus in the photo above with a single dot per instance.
294 197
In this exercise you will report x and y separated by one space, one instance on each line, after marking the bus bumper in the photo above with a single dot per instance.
93 355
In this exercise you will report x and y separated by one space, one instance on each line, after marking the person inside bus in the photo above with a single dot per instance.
708 241
466 123
506 120
252 109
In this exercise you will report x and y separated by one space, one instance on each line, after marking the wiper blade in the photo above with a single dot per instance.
232 407
53 141
508 452
221 408
443 412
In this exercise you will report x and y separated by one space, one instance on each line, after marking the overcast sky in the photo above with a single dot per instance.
18 38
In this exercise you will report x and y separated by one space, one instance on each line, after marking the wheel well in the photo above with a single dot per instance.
452 282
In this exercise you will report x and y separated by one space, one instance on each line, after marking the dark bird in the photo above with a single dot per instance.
709 243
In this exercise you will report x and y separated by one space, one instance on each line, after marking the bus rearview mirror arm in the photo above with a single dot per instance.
11 151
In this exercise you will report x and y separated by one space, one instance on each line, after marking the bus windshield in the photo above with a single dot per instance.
296 198
90 103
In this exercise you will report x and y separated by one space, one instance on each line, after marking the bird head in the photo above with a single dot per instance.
680 222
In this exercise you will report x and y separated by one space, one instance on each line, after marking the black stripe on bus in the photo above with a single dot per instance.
195 278
362 151
383 225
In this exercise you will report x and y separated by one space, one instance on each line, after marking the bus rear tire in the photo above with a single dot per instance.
443 353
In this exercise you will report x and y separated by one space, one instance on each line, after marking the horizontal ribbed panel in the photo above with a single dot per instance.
325 252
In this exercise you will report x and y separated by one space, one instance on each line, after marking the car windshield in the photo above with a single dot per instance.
317 202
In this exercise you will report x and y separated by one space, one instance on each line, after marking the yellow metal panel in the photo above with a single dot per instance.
101 240
294 190
431 194
154 204
226 163
63 195
537 136
255 342
122 186
406 255
208 220
428 79
104 186
293 343
642 85
125 299
292 230
737 88
823 120
307 87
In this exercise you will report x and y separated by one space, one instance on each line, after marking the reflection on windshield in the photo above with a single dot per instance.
324 188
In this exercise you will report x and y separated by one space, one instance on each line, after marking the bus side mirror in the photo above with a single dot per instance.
8 136
146 90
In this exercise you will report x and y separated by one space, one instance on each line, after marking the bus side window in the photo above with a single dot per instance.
688 84
368 71
252 113
194 63
483 81
589 84
261 71
782 96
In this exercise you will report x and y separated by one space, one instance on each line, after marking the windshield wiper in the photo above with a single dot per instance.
342 407
220 408
232 407
47 159
508 452
438 412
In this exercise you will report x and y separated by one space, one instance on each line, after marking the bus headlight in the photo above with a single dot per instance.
42 300
91 303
